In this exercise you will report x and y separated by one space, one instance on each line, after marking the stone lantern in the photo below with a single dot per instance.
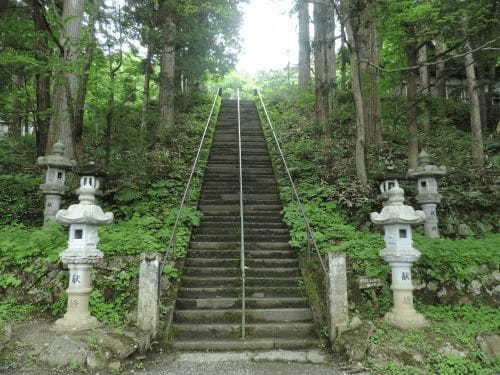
54 187
397 218
427 187
83 220
385 186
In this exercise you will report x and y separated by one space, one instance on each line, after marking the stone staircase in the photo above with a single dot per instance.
208 308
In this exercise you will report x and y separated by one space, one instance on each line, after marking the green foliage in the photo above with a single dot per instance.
20 199
10 309
109 311
20 246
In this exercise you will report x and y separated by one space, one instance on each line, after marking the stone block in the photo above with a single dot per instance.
337 294
148 307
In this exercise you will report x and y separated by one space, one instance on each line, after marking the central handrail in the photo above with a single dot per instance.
309 232
173 237
242 234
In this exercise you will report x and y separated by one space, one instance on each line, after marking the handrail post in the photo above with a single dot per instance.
242 233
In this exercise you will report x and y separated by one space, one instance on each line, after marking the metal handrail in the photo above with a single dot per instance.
173 237
309 232
242 234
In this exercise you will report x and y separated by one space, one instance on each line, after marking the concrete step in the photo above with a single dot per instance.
250 272
228 230
232 292
241 345
270 218
266 197
235 253
236 246
234 316
235 208
235 303
236 237
235 262
220 281
185 331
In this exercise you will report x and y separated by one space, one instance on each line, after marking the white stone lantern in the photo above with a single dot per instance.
397 218
55 178
385 186
83 220
428 196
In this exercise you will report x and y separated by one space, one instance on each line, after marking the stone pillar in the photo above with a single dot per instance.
337 295
148 306
83 219
55 178
397 218
428 196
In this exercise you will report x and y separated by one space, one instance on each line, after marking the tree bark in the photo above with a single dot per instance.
475 110
424 83
304 45
146 93
360 156
440 73
42 79
67 82
16 118
167 74
331 56
4 6
320 64
412 85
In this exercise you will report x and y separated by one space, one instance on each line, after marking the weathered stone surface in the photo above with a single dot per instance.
489 343
121 346
5 334
353 344
337 294
448 349
64 351
148 306
464 230
475 288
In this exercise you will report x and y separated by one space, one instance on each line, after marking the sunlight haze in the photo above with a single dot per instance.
269 36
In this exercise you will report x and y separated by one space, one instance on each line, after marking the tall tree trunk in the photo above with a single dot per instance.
475 111
304 45
42 80
412 87
440 72
4 5
320 64
360 154
331 56
83 78
146 94
109 117
66 80
16 118
167 74
424 83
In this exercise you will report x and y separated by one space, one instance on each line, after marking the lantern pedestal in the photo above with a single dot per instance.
77 316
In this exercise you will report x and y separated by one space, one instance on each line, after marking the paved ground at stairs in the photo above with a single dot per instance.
168 364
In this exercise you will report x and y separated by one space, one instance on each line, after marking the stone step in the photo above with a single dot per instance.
249 209
236 245
242 345
235 303
237 237
234 316
228 292
233 229
235 262
250 272
220 281
235 253
233 331
266 197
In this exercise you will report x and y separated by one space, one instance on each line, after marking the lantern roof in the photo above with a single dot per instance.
396 212
56 158
425 168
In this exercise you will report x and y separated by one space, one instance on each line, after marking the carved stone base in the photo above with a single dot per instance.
406 319
76 323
